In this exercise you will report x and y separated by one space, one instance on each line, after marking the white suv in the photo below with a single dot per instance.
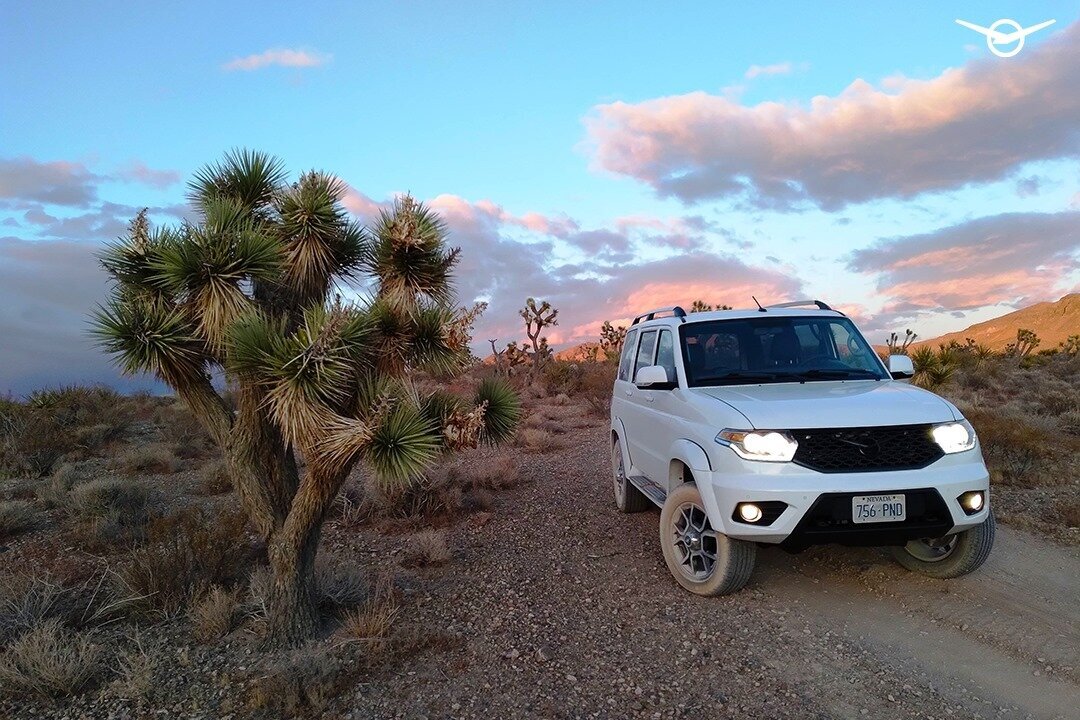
781 425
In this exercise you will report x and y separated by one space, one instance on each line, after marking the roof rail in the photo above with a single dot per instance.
800 303
675 311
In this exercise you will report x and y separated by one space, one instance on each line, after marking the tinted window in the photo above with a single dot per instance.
776 349
645 350
665 354
627 355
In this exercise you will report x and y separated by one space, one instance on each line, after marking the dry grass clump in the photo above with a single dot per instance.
107 511
304 682
185 555
49 661
426 548
214 615
342 583
536 440
181 427
16 516
374 620
148 459
27 601
214 478
54 491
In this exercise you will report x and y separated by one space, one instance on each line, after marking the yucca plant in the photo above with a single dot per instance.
248 290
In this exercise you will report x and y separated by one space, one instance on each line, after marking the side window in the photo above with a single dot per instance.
665 354
645 350
851 349
627 355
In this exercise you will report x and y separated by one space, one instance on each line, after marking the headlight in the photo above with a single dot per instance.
767 445
954 437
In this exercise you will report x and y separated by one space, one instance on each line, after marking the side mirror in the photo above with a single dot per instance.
653 377
900 367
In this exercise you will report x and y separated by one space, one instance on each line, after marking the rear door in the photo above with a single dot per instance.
622 393
634 418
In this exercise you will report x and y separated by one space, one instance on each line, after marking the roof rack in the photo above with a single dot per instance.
675 311
800 303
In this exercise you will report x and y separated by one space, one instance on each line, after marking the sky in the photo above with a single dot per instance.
608 157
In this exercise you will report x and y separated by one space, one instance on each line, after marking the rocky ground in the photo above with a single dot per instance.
554 605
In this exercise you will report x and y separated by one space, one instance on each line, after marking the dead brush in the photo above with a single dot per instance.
214 478
148 459
184 556
215 614
427 548
536 440
16 517
49 661
373 621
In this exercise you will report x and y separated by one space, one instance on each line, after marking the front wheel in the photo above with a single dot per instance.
950 556
702 560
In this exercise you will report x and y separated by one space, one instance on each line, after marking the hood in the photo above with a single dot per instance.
784 406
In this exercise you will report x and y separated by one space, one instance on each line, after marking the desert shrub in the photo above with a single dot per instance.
374 620
27 601
33 441
1013 446
303 683
491 474
108 496
427 547
54 491
536 439
184 556
342 584
596 383
561 378
214 614
151 458
214 478
134 669
1070 422
434 494
49 661
16 516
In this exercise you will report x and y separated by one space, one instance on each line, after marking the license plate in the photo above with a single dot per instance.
878 508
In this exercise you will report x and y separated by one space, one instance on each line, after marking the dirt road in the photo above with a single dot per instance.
566 610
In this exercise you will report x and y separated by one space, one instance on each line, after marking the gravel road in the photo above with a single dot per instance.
567 610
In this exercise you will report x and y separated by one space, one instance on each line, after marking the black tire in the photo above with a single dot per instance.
628 499
963 553
734 559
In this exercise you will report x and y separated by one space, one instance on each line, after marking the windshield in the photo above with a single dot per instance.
776 349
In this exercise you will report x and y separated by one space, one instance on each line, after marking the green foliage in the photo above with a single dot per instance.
503 410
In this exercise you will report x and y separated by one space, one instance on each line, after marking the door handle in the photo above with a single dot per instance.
649 398
629 393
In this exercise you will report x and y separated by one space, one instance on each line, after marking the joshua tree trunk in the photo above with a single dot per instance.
294 602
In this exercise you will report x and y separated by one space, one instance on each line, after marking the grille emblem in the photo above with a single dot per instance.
867 448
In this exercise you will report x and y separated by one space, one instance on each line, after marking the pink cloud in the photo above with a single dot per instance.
977 123
138 172
281 57
999 259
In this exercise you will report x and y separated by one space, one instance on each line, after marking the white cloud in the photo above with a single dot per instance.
282 57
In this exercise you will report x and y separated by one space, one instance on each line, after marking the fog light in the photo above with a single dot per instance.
972 502
749 512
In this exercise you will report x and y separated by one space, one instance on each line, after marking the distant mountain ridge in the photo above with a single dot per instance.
1053 322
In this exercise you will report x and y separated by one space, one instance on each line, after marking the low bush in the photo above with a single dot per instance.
27 601
214 478
215 613
16 516
427 547
53 492
149 459
342 584
374 620
49 661
184 556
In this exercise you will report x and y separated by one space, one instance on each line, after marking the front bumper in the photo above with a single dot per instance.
815 512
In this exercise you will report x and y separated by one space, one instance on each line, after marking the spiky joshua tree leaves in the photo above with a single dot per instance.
249 290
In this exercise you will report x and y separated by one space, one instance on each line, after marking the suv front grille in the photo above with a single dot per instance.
892 447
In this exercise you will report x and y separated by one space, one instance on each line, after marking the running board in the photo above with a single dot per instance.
650 489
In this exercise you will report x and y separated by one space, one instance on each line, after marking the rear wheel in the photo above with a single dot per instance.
950 556
628 499
702 560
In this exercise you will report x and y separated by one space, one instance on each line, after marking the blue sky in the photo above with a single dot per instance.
609 118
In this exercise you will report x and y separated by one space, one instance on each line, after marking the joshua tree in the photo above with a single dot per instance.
536 319
702 306
248 290
897 346
612 339
1026 341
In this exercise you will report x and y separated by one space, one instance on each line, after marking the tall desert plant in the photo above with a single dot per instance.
248 289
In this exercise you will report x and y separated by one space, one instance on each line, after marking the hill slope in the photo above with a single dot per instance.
1053 322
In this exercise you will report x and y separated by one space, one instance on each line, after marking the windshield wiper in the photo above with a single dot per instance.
840 374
